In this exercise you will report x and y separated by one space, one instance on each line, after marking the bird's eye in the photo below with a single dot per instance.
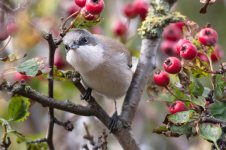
67 47
83 41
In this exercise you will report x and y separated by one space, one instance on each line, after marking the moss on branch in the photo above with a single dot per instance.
158 17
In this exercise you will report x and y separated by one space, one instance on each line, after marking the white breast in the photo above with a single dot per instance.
85 58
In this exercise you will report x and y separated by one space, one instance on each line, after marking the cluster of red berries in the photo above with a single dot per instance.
131 10
90 9
8 29
178 48
184 49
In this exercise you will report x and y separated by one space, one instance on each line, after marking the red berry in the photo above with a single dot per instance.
12 28
180 25
19 76
87 15
203 57
72 9
188 51
95 6
179 45
161 78
217 54
58 60
168 47
172 32
120 28
80 3
3 32
141 8
178 106
129 10
208 36
172 65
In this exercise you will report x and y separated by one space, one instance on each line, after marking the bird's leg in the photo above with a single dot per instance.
113 125
87 95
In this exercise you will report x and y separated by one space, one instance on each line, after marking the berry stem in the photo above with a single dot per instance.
211 69
166 87
75 14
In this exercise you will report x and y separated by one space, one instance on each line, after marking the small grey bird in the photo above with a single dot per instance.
103 63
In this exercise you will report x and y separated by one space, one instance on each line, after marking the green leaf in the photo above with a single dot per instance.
211 132
206 92
183 117
200 100
183 129
196 88
39 146
163 129
219 84
33 67
200 68
18 109
218 110
179 94
160 129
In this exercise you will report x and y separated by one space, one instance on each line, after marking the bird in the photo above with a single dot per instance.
103 63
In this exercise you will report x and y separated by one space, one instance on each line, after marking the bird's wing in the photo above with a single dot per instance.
111 45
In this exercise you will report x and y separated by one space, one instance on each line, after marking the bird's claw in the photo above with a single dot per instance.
87 95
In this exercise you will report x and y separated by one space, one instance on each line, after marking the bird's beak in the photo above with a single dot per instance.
73 47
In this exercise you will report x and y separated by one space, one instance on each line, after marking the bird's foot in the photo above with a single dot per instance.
87 95
116 122
113 125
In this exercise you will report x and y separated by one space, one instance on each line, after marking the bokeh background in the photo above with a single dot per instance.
45 16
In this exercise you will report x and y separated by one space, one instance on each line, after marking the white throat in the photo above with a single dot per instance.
85 58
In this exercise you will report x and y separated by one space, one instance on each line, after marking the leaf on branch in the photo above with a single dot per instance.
196 88
163 129
183 117
34 67
211 132
219 84
183 129
218 110
18 109
200 68
200 100
39 146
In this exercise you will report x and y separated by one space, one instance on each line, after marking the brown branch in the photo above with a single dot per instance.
213 120
26 91
6 142
145 66
52 49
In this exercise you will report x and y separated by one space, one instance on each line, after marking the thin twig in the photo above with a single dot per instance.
38 141
52 49
67 125
6 142
88 136
213 120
